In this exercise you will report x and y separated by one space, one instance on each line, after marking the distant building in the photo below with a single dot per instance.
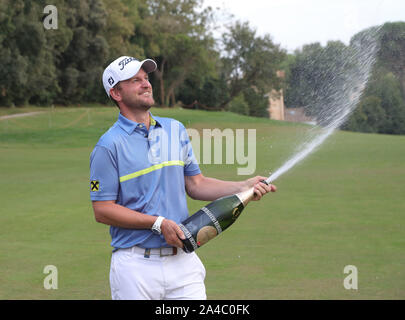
276 105
278 111
276 101
297 115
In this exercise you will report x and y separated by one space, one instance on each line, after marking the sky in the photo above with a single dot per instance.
293 23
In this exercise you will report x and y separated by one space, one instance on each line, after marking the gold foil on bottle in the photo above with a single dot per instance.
246 196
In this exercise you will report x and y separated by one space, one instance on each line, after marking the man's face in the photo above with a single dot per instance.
136 92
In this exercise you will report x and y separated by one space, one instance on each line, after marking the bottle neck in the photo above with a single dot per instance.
246 196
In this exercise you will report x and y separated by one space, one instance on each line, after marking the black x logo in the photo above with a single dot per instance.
94 185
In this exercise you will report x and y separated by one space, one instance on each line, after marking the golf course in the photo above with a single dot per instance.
343 205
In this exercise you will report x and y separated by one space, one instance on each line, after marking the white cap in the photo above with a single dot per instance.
124 68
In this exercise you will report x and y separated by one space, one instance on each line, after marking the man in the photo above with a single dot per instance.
140 170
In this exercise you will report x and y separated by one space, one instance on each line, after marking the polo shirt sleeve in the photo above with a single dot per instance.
104 179
191 167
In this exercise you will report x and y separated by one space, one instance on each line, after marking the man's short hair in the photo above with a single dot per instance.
118 87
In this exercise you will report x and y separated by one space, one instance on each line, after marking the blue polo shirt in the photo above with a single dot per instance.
143 170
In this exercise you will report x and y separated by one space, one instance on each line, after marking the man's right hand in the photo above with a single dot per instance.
172 233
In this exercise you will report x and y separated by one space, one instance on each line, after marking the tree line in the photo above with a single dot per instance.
195 70
64 66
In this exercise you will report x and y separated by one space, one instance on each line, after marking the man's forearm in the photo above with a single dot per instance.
112 214
209 189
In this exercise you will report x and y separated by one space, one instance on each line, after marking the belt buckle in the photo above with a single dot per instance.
172 253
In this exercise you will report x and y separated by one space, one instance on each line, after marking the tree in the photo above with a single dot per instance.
28 53
203 92
239 105
249 61
382 109
120 29
388 89
369 116
301 80
316 77
258 102
174 33
81 64
392 50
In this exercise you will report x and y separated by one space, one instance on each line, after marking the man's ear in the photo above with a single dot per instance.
115 94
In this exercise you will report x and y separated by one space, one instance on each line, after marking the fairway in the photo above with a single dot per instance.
343 205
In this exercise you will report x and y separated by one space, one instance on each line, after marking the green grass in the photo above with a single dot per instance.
344 205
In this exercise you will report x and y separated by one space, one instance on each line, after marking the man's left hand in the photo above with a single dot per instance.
260 188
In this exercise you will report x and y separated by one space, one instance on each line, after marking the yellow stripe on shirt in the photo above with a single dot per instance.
150 169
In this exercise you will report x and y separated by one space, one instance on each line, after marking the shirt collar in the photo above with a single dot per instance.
129 125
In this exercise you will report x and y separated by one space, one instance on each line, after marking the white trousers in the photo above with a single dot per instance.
135 277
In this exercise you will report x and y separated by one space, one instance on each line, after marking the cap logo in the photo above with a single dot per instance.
111 81
125 61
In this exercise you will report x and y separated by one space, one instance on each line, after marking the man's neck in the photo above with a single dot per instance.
139 116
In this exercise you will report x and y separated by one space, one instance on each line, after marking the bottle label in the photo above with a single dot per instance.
205 234
213 219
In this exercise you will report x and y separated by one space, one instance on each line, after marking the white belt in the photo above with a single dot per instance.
162 252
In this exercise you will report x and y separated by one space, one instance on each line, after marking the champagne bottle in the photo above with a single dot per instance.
213 219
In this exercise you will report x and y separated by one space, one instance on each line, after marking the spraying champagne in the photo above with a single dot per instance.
214 218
